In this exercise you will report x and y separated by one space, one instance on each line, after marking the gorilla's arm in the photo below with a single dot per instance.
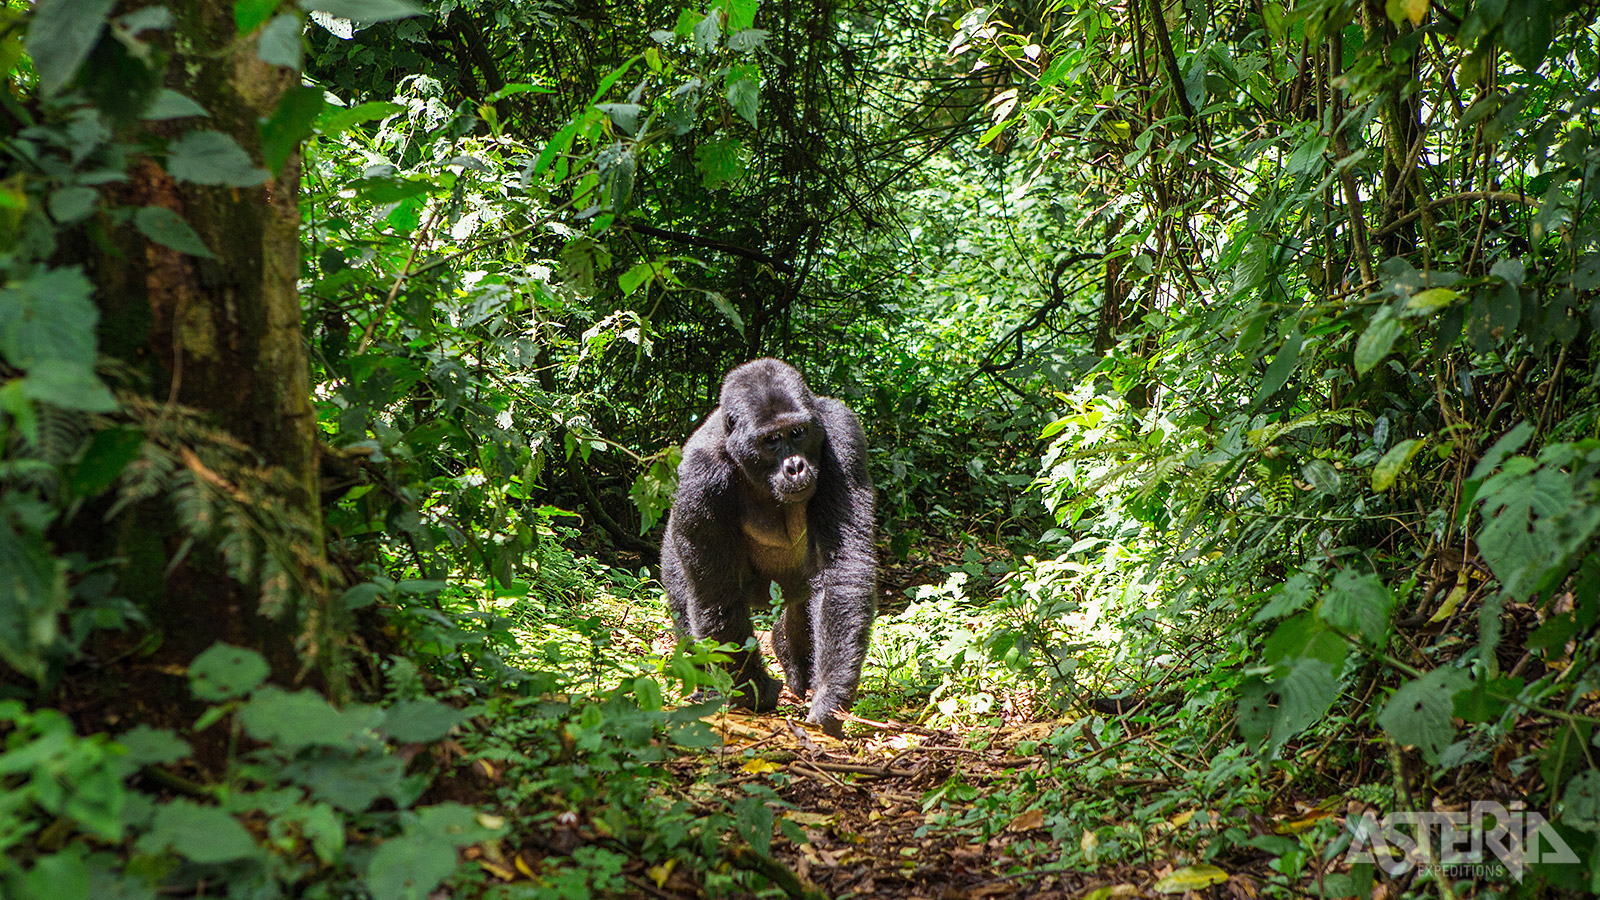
702 564
846 585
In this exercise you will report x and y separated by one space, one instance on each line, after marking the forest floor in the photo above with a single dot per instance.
870 833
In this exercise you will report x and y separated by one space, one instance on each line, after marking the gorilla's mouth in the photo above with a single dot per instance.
796 488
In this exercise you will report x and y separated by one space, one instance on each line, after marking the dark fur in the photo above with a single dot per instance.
734 481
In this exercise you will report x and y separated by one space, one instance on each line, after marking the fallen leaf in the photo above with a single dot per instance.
1190 878
759 766
810 819
1182 819
1028 821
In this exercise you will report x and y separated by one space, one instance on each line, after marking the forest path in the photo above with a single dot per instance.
860 803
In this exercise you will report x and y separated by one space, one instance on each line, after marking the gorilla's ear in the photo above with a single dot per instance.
733 424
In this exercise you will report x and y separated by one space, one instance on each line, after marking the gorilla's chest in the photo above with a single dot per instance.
777 544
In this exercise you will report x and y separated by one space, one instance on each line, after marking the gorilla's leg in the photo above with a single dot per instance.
791 643
729 622
841 623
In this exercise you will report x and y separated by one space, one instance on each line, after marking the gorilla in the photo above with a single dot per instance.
773 487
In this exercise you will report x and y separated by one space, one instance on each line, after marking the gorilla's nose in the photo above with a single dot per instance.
794 466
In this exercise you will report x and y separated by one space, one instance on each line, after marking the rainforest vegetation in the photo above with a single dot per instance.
1229 373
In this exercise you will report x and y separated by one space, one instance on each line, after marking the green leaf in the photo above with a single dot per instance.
60 37
67 385
1358 604
224 671
1526 31
754 824
364 10
1535 519
169 104
249 14
1419 712
335 121
1432 299
744 96
351 783
1283 365
168 229
1580 802
741 13
49 316
72 204
108 453
720 162
409 867
279 43
296 719
1299 697
1394 463
212 158
33 594
202 834
153 746
727 309
625 116
637 276
289 124
59 876
1323 478
1377 340
419 721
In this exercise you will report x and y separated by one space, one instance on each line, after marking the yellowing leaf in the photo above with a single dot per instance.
759 766
1451 601
1190 878
498 870
1432 299
522 865
659 874
1089 843
1028 821
1119 131
1393 463
1400 10
1182 819
809 819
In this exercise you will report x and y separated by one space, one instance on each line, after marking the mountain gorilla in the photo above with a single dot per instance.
773 488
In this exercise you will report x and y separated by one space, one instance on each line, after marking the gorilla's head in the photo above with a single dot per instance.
774 433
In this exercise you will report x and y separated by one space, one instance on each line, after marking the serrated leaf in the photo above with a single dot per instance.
744 96
409 867
1580 802
49 316
60 37
1419 713
295 719
419 721
168 229
212 158
224 671
1394 463
146 746
72 204
1358 604
1377 340
364 10
201 834
67 385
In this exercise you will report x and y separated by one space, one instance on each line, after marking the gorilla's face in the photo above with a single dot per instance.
774 435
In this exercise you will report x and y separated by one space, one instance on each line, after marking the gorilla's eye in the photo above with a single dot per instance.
773 439
799 431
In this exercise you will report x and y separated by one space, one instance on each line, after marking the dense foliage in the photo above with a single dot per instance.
1229 370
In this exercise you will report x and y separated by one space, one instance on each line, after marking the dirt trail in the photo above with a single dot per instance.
859 802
